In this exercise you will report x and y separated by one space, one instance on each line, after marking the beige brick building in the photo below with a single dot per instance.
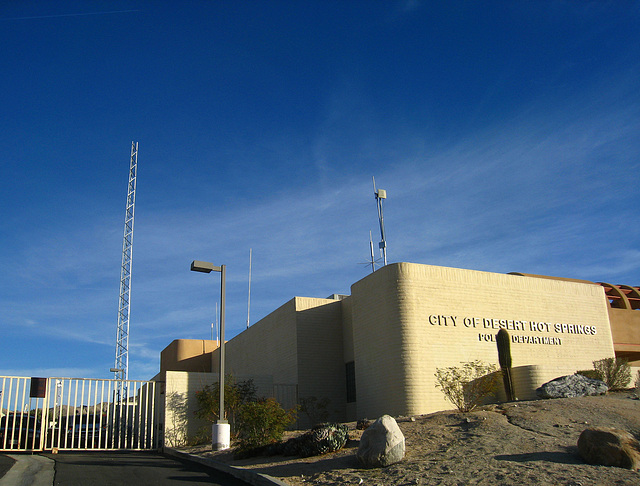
376 351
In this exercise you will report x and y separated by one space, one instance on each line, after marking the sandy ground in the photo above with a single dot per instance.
519 443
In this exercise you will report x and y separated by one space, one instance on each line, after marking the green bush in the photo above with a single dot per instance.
235 395
467 386
616 372
254 421
262 422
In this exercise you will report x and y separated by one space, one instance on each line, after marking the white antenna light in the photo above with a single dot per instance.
373 256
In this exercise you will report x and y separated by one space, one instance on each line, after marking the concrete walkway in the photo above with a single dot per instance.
246 475
29 470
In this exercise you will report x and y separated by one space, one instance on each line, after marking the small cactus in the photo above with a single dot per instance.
323 438
504 358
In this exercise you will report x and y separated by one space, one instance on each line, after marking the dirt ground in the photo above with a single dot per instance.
532 442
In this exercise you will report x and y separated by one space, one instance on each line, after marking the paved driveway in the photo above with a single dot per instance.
126 468
5 464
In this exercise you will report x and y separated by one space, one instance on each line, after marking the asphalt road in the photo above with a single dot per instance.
132 468
5 464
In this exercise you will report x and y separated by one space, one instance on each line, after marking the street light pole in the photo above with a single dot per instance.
222 346
221 430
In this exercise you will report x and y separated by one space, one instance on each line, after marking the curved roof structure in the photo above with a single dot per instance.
618 296
622 296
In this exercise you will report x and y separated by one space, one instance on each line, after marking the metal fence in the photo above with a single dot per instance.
76 414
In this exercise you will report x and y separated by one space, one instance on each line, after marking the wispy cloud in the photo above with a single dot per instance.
508 197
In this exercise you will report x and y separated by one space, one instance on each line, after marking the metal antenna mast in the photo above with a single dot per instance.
249 298
121 369
381 195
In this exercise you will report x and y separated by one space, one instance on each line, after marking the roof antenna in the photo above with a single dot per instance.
372 257
381 195
249 298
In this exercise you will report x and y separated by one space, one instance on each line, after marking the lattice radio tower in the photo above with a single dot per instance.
121 369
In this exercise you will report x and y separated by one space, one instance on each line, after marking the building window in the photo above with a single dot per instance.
351 381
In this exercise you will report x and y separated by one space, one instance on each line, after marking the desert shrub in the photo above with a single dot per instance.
615 372
593 374
202 436
315 409
262 422
467 386
235 395
637 384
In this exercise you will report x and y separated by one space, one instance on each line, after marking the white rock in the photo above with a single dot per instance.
381 444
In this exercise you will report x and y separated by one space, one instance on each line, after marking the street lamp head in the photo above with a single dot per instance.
204 267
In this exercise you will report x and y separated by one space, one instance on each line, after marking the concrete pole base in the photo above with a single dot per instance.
220 436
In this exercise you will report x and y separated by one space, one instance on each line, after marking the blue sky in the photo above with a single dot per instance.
506 135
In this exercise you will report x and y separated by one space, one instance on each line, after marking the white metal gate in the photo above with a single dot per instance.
76 414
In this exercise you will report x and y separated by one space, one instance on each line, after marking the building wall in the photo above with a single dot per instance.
624 317
188 355
381 362
351 411
299 347
625 330
269 347
180 403
410 319
399 325
320 355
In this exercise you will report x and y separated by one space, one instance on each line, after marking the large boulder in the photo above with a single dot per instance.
572 386
381 444
609 447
